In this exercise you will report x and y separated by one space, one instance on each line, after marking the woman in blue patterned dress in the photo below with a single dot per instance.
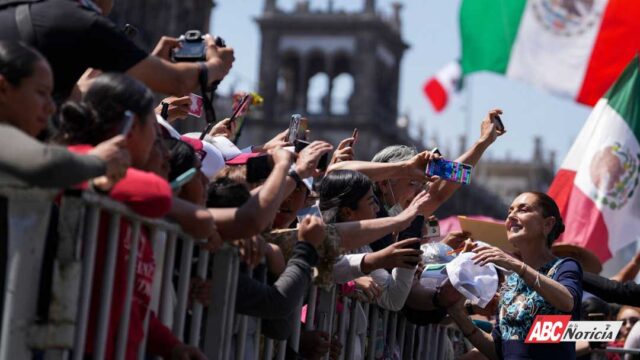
540 284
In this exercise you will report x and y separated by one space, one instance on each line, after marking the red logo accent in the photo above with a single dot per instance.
547 329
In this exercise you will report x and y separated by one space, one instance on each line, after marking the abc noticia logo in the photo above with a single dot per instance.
552 329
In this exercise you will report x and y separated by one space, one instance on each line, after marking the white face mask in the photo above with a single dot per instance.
397 208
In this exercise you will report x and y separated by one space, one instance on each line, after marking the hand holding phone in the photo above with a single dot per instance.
355 137
297 128
323 164
498 121
259 168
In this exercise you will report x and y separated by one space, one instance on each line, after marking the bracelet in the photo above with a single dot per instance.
523 268
537 283
473 332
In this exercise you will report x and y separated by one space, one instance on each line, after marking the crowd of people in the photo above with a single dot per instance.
78 111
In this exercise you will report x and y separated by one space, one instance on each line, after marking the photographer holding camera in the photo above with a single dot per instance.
76 35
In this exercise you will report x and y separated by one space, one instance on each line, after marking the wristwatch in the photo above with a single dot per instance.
295 176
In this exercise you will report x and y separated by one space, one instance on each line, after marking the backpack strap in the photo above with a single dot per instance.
25 25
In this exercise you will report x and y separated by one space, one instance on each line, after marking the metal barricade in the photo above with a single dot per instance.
385 334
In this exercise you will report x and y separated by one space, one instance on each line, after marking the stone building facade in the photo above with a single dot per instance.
365 47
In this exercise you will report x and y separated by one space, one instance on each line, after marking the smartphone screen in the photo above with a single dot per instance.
294 124
450 171
259 168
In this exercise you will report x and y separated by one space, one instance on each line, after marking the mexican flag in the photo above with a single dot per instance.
596 187
573 48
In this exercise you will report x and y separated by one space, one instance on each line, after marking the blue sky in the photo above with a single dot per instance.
430 27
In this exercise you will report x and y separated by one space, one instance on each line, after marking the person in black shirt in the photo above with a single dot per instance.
75 35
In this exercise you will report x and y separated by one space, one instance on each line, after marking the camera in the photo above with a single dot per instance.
193 47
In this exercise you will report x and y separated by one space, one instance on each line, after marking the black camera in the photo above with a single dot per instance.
193 47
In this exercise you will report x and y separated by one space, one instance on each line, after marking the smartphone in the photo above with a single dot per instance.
355 137
432 228
299 145
183 178
127 123
294 124
450 171
413 231
259 168
498 121
310 211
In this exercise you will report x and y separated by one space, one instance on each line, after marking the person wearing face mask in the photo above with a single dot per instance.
540 284
26 82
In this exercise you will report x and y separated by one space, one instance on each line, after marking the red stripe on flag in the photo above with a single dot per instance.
617 43
584 224
436 94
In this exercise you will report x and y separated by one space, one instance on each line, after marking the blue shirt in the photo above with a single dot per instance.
519 305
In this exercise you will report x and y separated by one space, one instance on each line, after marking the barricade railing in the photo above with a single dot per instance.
216 329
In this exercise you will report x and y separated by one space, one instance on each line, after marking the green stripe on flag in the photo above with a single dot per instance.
624 96
488 29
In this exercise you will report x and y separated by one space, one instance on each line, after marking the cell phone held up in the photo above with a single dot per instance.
259 168
450 170
323 164
297 128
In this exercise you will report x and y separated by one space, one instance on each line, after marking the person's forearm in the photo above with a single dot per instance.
26 159
552 291
262 208
195 220
481 340
627 293
355 234
395 289
376 171
471 157
257 213
629 272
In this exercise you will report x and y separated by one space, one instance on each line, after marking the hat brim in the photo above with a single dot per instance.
585 257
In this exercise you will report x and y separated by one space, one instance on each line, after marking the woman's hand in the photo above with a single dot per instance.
344 152
488 130
178 107
416 167
490 254
277 142
368 287
455 239
226 128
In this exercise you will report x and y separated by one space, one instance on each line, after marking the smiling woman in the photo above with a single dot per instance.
540 284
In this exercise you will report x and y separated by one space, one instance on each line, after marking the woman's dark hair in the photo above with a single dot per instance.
17 61
550 208
183 157
101 113
227 193
341 188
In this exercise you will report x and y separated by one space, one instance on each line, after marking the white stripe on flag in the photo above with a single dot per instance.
555 60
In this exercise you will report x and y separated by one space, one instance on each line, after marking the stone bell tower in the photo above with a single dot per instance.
341 69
